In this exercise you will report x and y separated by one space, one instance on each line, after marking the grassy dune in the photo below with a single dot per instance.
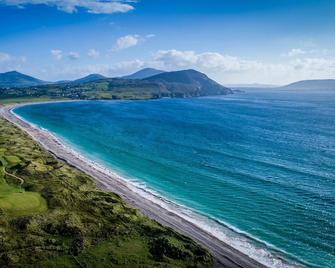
56 217
29 99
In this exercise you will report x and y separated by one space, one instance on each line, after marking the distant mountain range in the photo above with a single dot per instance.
316 85
16 79
88 78
144 73
179 84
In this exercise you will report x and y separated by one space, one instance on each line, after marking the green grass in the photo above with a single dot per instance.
29 99
12 159
14 200
59 218
22 203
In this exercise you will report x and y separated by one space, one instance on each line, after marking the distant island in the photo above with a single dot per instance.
299 86
178 84
319 85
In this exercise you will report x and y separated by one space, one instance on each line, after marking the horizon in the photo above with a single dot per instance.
260 42
255 84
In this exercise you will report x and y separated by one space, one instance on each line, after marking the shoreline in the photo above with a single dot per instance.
224 254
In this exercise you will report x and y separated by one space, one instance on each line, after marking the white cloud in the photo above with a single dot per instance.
150 36
4 57
71 6
230 69
73 55
57 54
93 53
9 62
108 70
210 61
294 52
127 42
226 69
130 40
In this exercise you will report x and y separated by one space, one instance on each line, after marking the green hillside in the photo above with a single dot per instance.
181 84
16 79
52 215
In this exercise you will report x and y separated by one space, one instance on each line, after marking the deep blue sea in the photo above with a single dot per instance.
260 162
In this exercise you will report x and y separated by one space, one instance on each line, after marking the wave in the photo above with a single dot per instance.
255 248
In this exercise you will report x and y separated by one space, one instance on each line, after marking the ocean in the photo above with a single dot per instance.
259 164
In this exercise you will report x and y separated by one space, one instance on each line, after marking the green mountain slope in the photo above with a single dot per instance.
89 78
189 83
144 73
16 79
181 84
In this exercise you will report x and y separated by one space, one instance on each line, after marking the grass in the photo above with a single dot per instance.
29 99
14 200
58 217
22 203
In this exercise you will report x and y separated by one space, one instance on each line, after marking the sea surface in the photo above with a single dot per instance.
260 163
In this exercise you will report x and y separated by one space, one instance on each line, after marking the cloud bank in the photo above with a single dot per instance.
224 68
71 6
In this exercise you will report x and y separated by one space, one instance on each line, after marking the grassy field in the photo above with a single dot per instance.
52 215
28 99
14 200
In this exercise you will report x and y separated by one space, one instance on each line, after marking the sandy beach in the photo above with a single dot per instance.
224 254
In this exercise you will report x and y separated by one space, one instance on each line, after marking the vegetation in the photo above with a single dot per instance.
181 84
29 99
101 89
52 215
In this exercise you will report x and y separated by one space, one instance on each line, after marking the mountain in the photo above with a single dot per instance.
180 84
189 83
319 85
144 73
16 79
89 78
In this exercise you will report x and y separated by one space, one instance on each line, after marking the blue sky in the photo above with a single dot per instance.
240 41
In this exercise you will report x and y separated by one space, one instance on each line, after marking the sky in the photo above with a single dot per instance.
235 41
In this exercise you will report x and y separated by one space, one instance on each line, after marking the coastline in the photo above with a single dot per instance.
224 254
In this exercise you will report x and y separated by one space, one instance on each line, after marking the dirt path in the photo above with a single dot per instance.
14 176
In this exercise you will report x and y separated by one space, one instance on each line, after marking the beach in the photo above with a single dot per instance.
154 207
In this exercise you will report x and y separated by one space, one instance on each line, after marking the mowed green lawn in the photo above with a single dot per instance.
14 200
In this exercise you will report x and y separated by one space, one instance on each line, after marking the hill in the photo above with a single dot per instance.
144 73
180 84
89 78
319 85
16 79
189 83
53 215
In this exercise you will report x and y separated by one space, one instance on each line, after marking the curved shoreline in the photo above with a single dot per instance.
225 255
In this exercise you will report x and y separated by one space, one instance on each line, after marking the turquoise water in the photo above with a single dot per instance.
261 162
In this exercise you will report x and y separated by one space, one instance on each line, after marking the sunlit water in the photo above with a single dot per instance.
261 162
